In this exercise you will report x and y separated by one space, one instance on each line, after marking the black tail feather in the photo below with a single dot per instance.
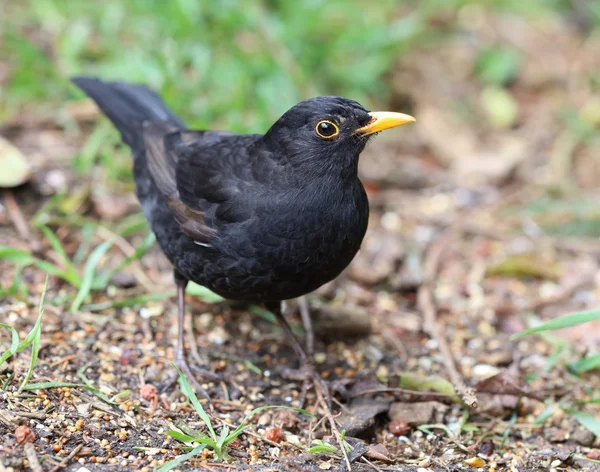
128 106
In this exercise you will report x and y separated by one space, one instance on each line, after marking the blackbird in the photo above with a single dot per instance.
253 217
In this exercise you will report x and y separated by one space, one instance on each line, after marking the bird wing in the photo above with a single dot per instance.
200 173
162 164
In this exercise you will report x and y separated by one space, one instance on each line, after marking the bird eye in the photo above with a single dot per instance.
327 130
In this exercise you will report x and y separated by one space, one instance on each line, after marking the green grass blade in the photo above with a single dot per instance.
89 272
103 280
544 415
60 250
180 460
182 437
585 364
12 254
46 385
203 293
90 386
13 345
188 391
566 321
585 419
223 437
34 338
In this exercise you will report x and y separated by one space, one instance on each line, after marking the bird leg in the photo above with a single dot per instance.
307 323
181 361
306 373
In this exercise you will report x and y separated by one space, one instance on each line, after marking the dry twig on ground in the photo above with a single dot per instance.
431 324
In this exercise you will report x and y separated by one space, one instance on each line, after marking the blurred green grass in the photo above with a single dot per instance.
231 64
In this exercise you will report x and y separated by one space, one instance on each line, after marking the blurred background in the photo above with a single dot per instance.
506 147
499 87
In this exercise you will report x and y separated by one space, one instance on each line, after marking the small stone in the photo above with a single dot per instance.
320 358
418 413
124 280
218 336
555 463
583 437
24 434
485 370
274 434
148 392
264 419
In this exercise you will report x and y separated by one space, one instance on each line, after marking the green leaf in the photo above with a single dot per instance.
547 413
428 383
188 391
585 419
566 321
585 364
498 65
13 345
34 338
60 250
203 293
184 438
181 459
89 272
45 385
322 448
12 254
427 428
223 436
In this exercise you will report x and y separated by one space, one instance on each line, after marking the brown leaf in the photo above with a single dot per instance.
379 452
359 417
504 383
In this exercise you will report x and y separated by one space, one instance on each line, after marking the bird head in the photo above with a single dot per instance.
327 132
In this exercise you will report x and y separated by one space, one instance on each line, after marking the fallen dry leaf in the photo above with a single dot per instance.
504 383
15 169
379 452
418 413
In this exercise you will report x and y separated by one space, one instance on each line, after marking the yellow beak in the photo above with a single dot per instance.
381 120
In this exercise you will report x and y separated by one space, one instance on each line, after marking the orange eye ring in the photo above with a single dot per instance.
326 129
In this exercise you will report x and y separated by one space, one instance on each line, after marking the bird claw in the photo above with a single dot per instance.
309 376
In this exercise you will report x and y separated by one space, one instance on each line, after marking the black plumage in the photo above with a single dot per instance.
261 218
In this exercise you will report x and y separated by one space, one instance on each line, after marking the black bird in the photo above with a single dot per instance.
261 218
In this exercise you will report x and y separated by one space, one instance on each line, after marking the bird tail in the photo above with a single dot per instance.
128 106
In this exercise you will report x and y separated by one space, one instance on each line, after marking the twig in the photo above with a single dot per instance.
34 463
62 464
430 323
368 462
334 428
400 390
20 222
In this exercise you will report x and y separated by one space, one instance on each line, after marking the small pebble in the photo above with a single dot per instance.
475 462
